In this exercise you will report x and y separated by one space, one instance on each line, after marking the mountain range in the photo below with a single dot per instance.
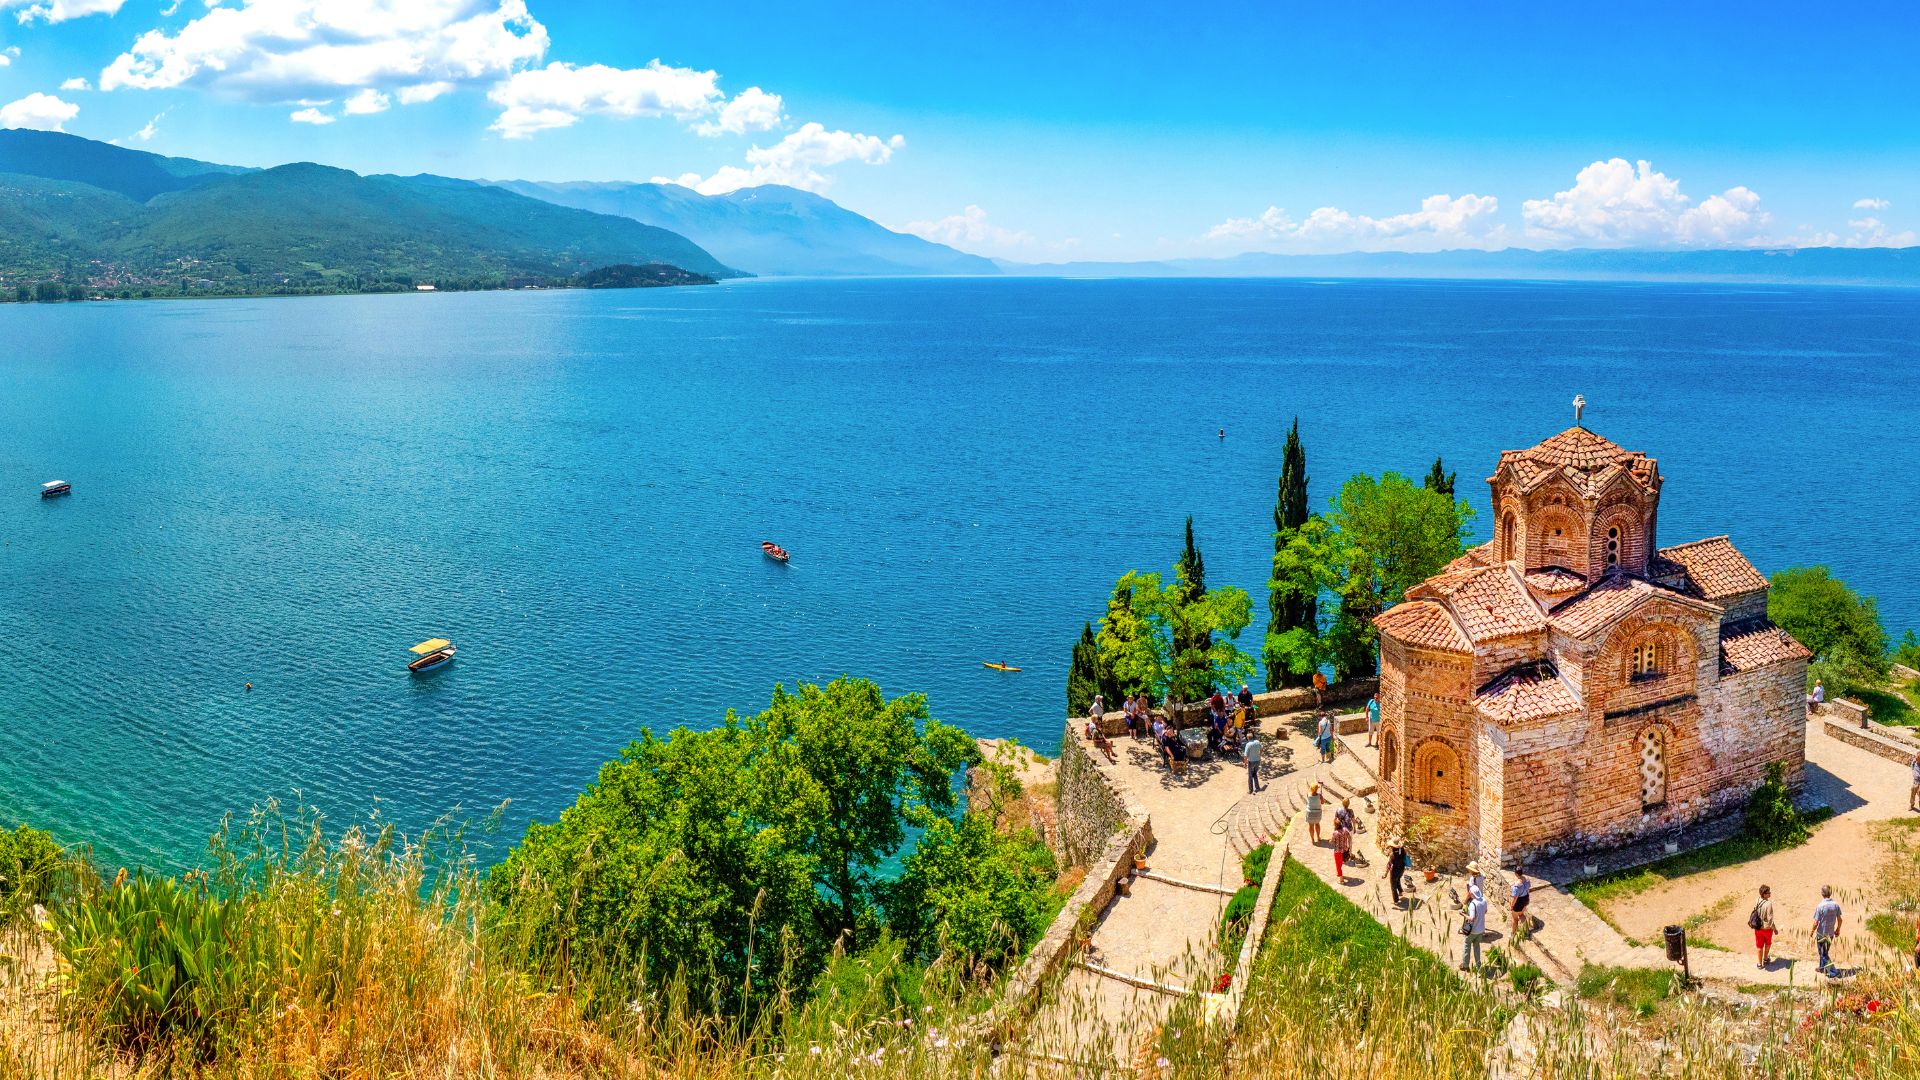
770 230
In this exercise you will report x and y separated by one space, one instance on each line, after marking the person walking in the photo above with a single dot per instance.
1913 793
1319 688
1522 896
1342 844
1476 885
1473 927
1761 920
1314 805
1344 818
1323 737
1826 927
1397 869
1373 720
1251 752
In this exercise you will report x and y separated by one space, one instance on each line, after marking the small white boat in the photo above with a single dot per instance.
434 653
55 487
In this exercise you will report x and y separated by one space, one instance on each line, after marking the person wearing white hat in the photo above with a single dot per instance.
1476 885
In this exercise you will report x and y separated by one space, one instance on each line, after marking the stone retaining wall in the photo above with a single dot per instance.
1873 738
1257 925
1090 808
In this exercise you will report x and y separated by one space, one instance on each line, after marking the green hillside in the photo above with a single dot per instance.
71 214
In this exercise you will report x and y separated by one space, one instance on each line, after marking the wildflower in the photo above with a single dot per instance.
814 1050
1161 1063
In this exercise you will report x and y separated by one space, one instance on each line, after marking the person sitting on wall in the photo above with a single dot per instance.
1216 729
1105 745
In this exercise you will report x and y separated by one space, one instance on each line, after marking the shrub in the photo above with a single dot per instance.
1771 817
29 863
1253 865
1233 921
1526 979
1639 989
973 891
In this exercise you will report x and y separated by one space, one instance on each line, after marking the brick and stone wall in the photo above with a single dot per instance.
1090 810
1273 703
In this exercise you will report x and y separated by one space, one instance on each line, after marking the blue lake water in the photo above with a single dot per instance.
574 485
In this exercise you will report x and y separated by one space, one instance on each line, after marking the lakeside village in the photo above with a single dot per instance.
1569 802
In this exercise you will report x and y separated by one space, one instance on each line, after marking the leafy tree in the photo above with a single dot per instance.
838 770
1083 674
1127 654
1305 565
1440 480
29 863
1908 651
660 868
1840 626
972 891
1293 612
1394 536
1158 618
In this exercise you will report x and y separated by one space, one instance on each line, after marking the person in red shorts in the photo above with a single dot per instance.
1761 920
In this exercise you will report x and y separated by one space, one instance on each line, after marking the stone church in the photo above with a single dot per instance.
1572 685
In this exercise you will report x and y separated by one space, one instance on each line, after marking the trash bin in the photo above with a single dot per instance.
1677 943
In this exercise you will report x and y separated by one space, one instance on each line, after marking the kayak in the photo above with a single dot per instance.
998 667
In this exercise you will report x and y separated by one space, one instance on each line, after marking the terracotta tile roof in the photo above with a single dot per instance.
1423 623
1481 555
1756 643
1609 598
1554 581
1489 602
1711 569
1588 461
1532 692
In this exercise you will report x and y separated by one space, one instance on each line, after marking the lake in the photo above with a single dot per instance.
574 485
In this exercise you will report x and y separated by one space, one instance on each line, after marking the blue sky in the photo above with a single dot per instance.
1033 131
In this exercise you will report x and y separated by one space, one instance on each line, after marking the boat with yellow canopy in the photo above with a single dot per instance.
434 653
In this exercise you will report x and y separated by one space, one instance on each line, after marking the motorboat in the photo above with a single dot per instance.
434 654
774 551
55 487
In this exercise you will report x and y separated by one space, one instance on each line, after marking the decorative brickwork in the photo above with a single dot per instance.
1569 685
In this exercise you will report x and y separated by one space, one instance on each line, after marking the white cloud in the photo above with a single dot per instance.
1616 202
76 84
752 109
795 161
283 50
1441 221
970 230
41 111
312 116
557 95
422 92
54 11
1871 232
367 102
152 128
7 54
1871 204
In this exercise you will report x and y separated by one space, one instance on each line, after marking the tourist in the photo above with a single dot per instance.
1396 869
1159 728
1913 793
1323 737
1761 920
1319 688
1175 753
1246 699
1826 927
1132 710
1218 703
1106 746
1314 805
1373 720
1473 926
1476 885
1819 694
1342 843
1143 710
1099 708
1522 895
1251 752
1216 729
1343 818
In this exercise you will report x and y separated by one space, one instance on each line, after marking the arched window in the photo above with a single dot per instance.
1613 546
1650 658
1653 768
1508 542
1436 775
1389 754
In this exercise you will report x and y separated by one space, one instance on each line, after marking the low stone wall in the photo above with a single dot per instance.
1257 926
1089 799
1089 808
1273 703
1873 738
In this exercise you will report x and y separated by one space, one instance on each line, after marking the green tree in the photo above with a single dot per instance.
1840 626
838 770
1126 648
1307 564
1191 639
1394 536
1083 674
29 864
971 891
1440 480
1158 619
1293 612
659 869
1908 651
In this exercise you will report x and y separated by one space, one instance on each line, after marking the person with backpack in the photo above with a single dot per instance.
1760 919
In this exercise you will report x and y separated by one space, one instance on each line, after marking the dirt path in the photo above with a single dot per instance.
1864 790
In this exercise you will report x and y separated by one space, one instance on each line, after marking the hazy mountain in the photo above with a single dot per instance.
769 230
76 211
1836 266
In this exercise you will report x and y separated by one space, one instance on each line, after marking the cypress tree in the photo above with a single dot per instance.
1289 513
1440 480
1190 586
1083 676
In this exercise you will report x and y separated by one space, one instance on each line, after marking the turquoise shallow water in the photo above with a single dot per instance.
574 485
